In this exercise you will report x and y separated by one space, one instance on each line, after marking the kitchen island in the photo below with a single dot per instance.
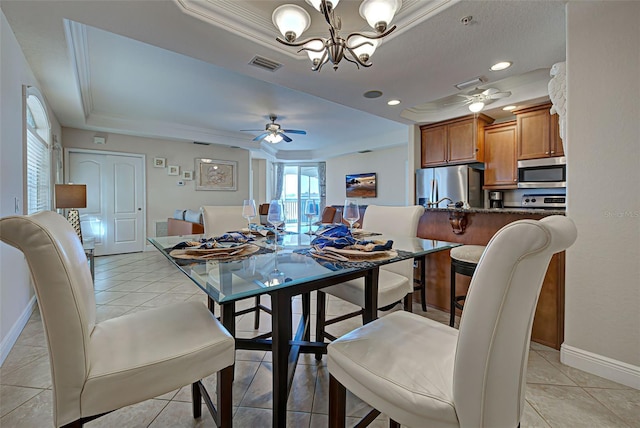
476 226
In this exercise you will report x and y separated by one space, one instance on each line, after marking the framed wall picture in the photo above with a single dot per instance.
212 174
173 170
187 175
159 162
361 185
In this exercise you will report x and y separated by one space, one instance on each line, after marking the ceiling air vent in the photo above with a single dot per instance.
365 151
265 63
201 143
476 81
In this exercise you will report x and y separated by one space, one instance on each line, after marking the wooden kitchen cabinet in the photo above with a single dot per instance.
455 141
538 133
500 160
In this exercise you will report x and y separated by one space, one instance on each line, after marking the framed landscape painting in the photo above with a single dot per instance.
361 185
212 174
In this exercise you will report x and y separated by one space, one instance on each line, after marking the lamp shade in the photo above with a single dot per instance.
291 21
377 12
71 196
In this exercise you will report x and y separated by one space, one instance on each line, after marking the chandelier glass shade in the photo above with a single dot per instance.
292 21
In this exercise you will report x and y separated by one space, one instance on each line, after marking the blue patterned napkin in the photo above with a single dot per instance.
339 236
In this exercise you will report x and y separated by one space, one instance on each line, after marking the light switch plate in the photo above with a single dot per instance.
180 183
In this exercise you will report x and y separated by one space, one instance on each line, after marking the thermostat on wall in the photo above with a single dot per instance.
180 183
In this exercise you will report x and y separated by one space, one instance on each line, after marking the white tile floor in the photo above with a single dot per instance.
557 395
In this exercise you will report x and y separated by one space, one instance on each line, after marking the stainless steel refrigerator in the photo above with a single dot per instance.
460 183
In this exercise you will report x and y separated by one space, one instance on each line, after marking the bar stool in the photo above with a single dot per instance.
464 260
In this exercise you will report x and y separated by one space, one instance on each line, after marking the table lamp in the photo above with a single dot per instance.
72 197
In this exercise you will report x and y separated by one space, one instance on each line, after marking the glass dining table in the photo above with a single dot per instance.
284 272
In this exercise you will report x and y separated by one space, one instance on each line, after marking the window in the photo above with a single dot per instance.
38 154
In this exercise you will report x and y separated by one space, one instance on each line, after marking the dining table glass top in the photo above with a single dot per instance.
265 269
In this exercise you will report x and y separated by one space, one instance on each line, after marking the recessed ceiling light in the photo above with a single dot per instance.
509 108
372 94
501 66
393 102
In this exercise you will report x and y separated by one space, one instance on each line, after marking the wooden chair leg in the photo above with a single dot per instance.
225 397
337 403
321 316
196 396
408 302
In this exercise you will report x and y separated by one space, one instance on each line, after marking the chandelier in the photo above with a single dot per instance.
292 21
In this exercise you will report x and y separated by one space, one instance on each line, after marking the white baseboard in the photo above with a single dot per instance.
599 365
10 339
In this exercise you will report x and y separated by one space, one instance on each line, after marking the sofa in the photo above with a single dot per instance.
185 222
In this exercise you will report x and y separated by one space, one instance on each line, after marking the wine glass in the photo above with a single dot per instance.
248 210
276 217
351 212
310 210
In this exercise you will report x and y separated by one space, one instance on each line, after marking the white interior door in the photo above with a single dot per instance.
115 212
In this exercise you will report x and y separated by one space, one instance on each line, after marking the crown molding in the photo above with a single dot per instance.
78 48
236 18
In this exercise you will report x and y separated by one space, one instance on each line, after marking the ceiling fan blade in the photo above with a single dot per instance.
295 131
285 138
261 136
499 95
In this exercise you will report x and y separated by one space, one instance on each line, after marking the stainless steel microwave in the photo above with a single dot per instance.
542 173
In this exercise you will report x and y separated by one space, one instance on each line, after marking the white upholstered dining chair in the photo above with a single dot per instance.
441 377
100 367
395 280
220 219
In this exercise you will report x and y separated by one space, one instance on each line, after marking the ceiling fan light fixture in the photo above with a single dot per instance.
476 107
291 21
379 13
503 65
273 138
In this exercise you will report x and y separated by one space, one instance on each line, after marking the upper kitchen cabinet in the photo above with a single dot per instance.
538 133
455 141
500 162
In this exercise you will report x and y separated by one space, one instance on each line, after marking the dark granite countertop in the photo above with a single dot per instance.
523 211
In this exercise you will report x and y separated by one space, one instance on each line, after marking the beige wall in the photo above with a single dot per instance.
391 169
163 195
259 177
603 183
15 289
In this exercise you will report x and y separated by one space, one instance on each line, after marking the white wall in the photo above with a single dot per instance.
389 165
163 194
16 293
602 315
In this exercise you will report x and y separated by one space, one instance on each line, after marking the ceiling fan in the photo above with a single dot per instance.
273 133
478 98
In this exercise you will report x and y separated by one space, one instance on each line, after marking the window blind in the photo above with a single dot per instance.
38 174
